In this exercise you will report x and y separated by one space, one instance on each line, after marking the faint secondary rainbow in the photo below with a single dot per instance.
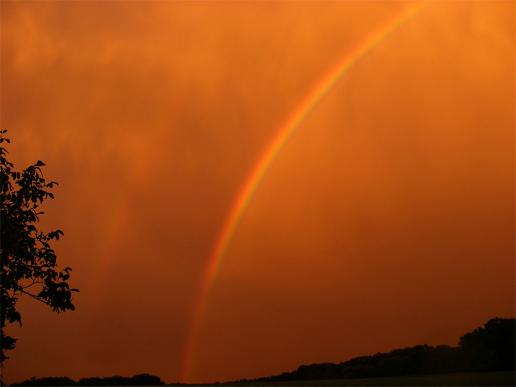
262 165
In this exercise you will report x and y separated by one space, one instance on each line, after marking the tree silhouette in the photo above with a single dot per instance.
486 349
491 347
29 263
136 380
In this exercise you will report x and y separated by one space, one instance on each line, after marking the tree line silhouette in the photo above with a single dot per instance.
136 380
488 348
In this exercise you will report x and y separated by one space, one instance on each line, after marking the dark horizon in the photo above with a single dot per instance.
488 348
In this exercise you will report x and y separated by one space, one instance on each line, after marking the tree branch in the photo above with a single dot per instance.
34 296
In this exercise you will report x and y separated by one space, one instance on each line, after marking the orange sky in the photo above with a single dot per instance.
386 221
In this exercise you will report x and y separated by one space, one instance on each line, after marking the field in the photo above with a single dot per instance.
458 379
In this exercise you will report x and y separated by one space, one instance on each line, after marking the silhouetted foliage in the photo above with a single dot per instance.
491 347
136 380
29 263
49 381
146 379
488 348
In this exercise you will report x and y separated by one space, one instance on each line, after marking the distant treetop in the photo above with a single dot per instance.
136 380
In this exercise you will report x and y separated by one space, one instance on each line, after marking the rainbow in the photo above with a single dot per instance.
263 164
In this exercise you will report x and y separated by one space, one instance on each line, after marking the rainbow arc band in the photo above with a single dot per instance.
264 162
